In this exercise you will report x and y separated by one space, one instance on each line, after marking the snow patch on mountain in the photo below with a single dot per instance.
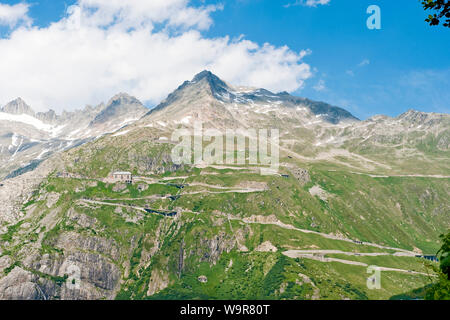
26 119
121 133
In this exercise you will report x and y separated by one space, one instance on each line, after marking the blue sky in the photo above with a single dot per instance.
402 66
408 61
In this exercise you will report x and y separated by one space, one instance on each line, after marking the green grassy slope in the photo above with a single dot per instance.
224 217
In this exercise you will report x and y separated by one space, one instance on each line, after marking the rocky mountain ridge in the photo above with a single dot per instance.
27 137
208 90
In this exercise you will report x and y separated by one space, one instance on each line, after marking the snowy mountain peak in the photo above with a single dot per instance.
210 99
27 138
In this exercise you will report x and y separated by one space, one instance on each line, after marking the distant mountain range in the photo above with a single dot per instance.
26 137
311 130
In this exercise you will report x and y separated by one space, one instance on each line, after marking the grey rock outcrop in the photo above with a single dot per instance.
18 107
49 117
20 285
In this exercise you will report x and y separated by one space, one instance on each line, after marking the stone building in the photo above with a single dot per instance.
122 176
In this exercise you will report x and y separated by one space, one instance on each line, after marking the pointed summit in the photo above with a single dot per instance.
120 106
203 84
202 75
122 99
208 75
18 107
216 84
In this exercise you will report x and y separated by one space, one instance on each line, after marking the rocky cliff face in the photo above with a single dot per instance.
49 117
18 190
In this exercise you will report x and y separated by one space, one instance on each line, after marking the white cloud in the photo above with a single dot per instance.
320 86
363 63
102 47
12 15
305 53
307 3
139 13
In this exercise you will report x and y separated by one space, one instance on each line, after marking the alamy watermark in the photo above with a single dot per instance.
73 282
374 281
374 20
259 147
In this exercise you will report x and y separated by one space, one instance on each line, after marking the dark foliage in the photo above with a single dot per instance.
443 12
